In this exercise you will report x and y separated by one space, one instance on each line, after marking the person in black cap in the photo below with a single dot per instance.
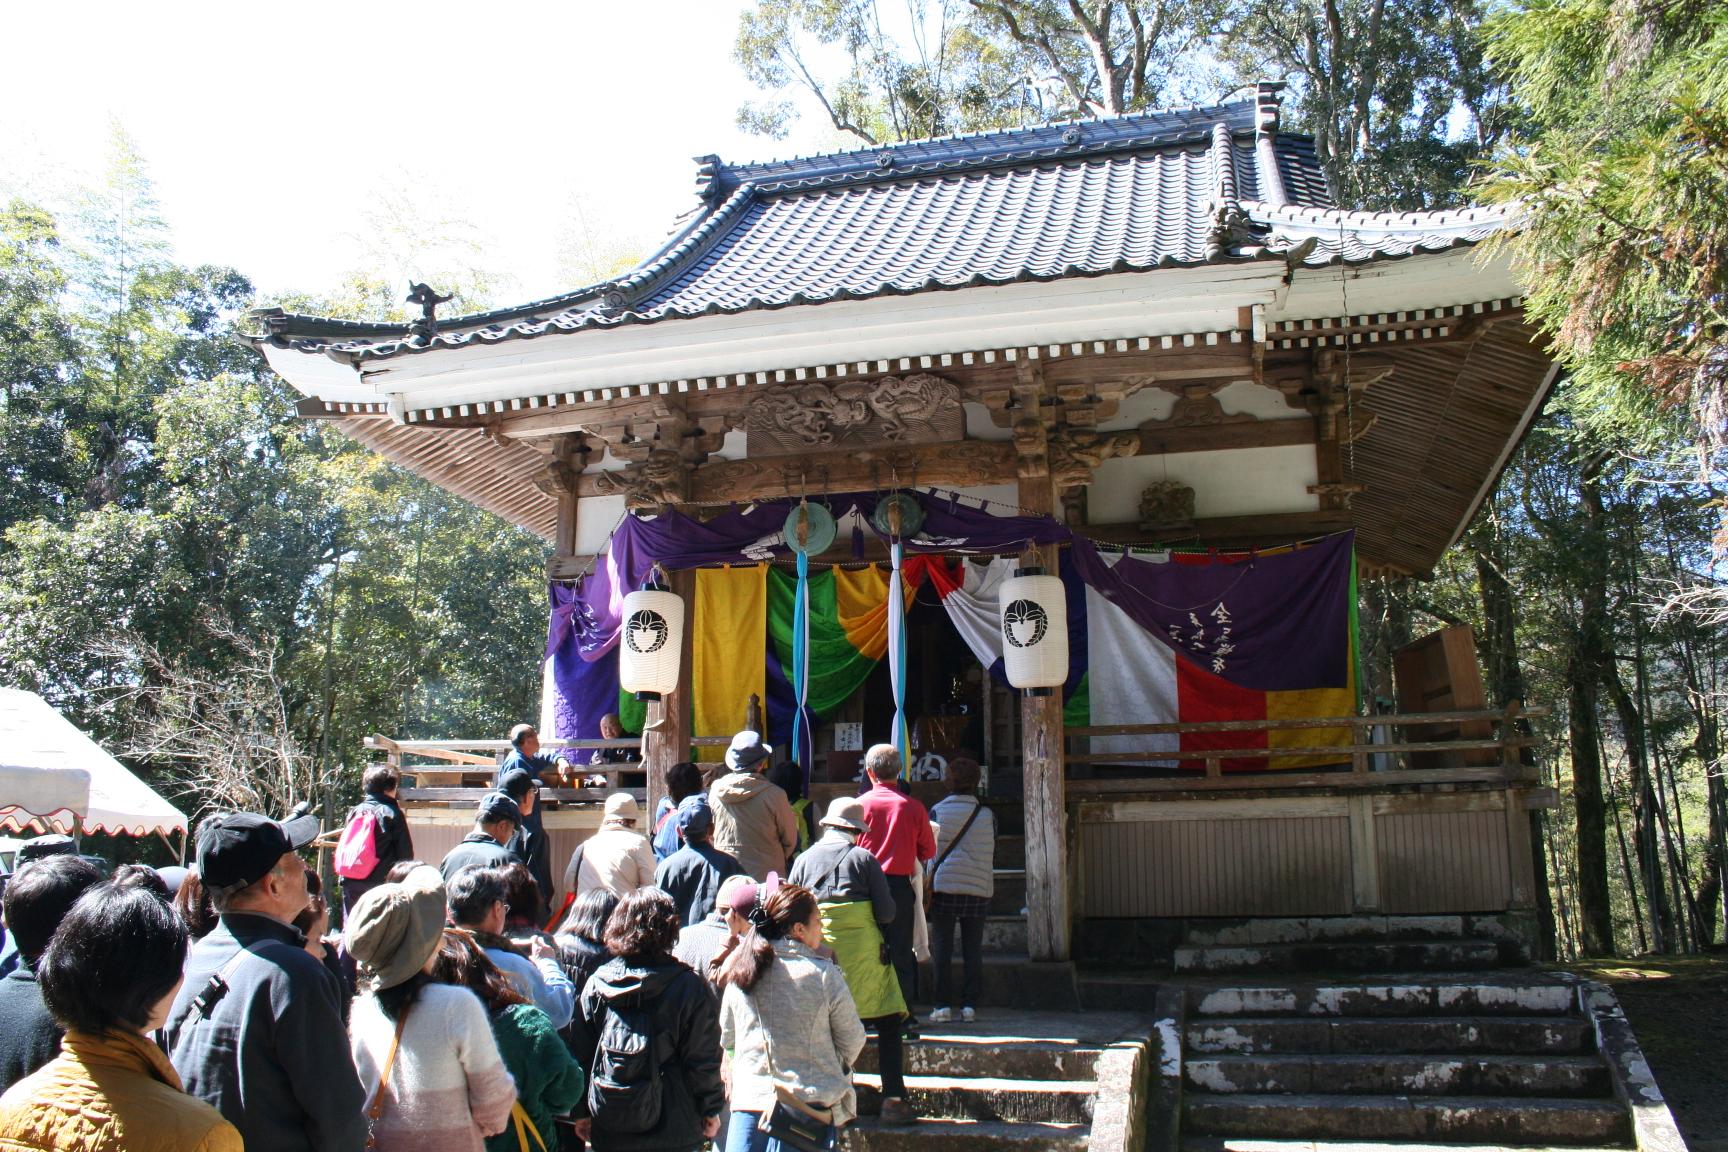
530 844
257 1027
496 821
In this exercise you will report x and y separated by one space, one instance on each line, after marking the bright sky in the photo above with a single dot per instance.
271 131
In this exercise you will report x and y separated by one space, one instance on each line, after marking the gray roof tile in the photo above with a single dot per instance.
1126 193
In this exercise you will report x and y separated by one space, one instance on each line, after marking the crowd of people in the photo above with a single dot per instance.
709 976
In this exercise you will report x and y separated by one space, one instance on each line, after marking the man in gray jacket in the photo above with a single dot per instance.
257 1027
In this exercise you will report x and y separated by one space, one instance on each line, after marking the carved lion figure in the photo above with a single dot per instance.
657 481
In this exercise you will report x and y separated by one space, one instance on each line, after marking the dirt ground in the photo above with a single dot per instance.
1678 1008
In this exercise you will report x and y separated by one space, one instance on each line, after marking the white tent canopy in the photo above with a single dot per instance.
37 742
53 794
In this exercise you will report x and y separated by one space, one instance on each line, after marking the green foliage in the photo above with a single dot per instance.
231 596
1398 98
1622 169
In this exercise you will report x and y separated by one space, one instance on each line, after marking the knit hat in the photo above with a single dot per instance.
395 928
747 751
695 817
621 806
847 814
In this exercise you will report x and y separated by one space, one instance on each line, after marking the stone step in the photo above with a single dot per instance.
1119 992
1528 1120
1251 1144
1574 1076
1399 1036
1341 955
1009 896
987 1098
941 1051
866 1135
1415 997
1002 934
1012 980
1304 929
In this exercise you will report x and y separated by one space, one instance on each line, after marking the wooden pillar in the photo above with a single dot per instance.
1049 929
666 739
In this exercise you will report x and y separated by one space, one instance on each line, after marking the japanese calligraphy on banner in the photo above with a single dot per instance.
1271 623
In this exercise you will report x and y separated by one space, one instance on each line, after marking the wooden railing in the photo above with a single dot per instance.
453 769
1488 757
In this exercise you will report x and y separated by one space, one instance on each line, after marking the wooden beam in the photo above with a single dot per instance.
1272 528
968 462
1049 924
1157 438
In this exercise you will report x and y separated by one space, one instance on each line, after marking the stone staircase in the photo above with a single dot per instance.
1018 1080
1502 1059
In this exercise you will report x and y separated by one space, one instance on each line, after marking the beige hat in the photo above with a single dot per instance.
395 928
621 806
846 812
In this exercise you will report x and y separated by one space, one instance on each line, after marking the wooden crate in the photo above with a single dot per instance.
1439 673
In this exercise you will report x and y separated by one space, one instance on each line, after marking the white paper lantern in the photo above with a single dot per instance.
1034 611
651 647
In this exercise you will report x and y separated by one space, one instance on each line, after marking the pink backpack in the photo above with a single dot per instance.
357 851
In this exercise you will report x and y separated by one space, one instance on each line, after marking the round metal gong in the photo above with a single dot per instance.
810 529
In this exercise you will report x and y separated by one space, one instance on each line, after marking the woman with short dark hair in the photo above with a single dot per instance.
648 1030
109 976
581 943
683 780
548 1079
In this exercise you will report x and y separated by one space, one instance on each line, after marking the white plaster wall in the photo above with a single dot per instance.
1238 482
1257 400
596 516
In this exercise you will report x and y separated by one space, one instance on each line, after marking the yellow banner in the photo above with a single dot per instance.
729 659
861 600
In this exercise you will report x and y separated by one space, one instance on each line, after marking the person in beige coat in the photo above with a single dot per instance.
617 857
753 820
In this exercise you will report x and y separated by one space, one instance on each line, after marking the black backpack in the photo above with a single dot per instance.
624 1091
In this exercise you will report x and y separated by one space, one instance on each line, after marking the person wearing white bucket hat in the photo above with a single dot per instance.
753 819
617 857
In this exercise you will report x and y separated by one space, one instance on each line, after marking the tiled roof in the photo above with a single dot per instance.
1122 194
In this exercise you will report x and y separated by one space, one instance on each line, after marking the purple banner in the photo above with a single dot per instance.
1269 623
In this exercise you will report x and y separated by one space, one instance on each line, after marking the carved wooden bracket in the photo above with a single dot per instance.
1197 407
662 478
1075 453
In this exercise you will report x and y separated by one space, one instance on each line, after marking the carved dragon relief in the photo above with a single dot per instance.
919 408
1075 453
662 478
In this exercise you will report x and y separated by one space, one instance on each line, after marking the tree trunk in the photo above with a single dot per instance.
1585 667
1596 927
1646 840
1506 684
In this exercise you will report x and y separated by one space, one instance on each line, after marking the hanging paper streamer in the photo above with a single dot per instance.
897 655
847 638
802 740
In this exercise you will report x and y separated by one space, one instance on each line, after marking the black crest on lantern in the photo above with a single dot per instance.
649 621
1025 612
